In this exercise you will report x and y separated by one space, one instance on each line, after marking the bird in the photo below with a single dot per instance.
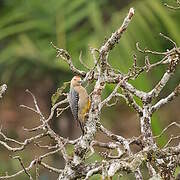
79 101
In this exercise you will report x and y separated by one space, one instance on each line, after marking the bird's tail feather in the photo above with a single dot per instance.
81 126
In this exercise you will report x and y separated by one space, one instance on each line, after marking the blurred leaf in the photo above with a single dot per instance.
59 92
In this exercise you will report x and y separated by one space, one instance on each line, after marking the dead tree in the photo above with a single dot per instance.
160 162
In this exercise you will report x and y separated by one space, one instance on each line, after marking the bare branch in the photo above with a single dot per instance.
108 145
9 139
110 43
113 94
49 147
34 129
93 171
21 162
67 58
54 107
166 128
27 107
115 137
171 139
23 144
149 51
117 35
138 175
61 110
19 172
132 102
166 100
36 104
169 39
173 7
127 86
170 71
50 168
81 61
2 89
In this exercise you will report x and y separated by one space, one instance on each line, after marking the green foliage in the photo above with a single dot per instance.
58 93
27 27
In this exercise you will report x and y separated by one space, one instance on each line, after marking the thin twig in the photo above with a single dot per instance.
81 61
170 140
22 164
67 58
169 39
166 128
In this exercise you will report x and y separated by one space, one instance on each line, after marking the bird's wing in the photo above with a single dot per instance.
73 102
74 99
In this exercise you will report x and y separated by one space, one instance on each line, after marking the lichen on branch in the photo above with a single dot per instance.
160 162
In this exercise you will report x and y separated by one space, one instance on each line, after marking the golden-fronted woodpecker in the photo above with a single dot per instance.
79 101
